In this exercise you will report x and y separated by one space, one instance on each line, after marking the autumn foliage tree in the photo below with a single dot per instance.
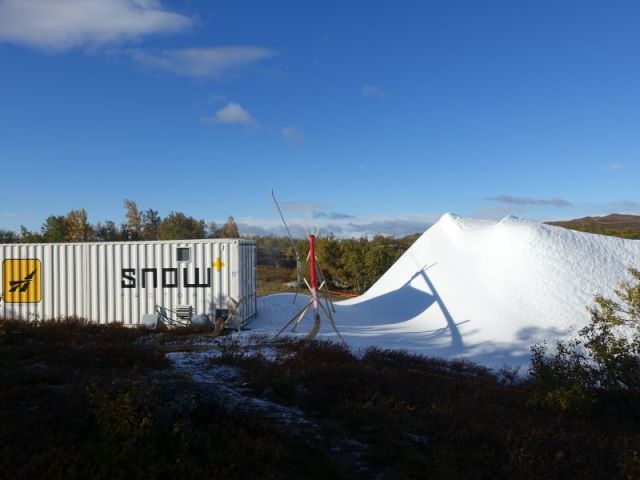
230 229
134 219
78 227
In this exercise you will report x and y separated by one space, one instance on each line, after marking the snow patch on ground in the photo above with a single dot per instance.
232 392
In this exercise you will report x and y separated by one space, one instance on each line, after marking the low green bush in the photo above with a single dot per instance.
601 363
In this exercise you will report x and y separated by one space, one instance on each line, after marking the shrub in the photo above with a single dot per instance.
604 359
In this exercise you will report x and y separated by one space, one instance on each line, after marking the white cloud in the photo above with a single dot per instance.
616 166
232 113
58 25
371 91
293 135
199 62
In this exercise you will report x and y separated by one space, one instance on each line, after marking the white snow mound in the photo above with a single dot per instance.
484 290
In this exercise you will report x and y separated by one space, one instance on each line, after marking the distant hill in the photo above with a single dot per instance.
616 225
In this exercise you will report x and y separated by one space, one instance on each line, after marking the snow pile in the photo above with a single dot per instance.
485 290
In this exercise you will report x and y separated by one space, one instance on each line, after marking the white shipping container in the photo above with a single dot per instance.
122 281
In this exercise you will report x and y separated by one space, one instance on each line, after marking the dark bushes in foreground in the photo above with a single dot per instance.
86 401
422 417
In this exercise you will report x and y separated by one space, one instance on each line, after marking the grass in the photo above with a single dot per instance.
615 225
274 279
86 401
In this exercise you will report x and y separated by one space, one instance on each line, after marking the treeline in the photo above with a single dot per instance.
353 264
347 263
356 264
139 225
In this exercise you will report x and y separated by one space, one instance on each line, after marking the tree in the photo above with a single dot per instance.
178 226
151 224
126 234
230 229
330 259
27 236
107 232
352 253
380 254
134 218
54 229
212 230
605 356
78 227
7 236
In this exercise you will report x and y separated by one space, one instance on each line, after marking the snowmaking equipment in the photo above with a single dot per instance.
320 301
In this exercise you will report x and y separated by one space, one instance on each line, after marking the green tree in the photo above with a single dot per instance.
605 356
353 252
107 232
7 236
28 236
54 229
126 234
178 226
329 256
380 254
151 224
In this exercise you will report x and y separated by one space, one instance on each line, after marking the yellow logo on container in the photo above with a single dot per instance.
21 279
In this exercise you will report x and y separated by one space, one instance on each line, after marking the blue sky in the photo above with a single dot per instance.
366 117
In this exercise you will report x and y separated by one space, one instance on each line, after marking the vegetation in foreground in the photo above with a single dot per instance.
419 417
601 365
86 401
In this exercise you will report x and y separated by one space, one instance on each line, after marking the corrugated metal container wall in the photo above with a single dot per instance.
121 282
